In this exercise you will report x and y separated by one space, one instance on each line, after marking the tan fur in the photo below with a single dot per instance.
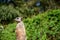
20 31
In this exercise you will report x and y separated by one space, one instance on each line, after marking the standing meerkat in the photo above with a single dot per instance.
20 29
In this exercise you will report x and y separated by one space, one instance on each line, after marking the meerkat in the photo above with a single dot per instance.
20 29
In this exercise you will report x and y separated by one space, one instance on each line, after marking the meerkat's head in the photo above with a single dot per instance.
18 19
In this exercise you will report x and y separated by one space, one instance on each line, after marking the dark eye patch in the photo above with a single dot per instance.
17 18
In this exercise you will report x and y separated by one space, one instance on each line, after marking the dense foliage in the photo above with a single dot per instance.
29 8
45 26
8 33
8 13
46 4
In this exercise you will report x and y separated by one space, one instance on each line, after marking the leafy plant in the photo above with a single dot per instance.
9 32
45 26
8 13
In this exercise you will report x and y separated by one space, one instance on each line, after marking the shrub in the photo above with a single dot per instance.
9 32
45 26
1 29
8 13
26 12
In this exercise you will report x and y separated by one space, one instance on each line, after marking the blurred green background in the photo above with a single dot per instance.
41 19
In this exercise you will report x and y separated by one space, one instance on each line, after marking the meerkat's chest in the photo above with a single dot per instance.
20 28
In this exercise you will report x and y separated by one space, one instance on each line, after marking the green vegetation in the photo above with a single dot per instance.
41 19
45 26
9 32
24 8
8 13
